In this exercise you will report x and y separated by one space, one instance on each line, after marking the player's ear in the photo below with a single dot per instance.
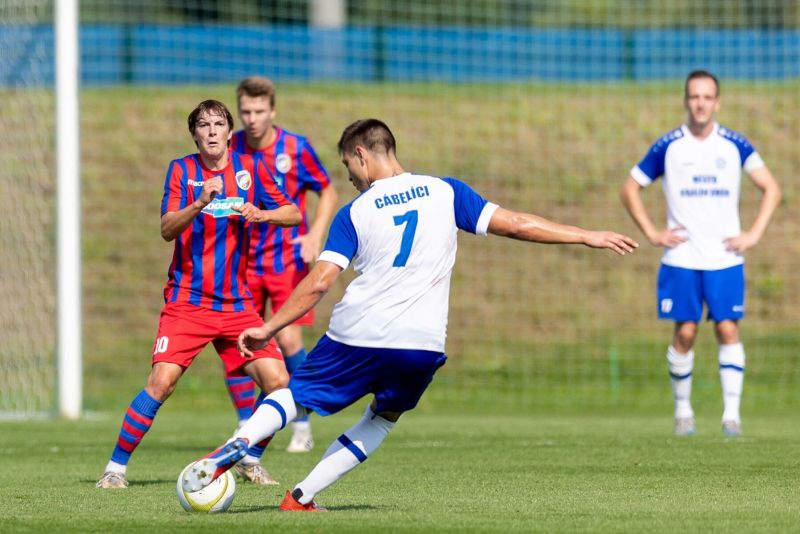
360 154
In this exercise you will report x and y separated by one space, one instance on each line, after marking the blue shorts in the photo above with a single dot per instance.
681 293
334 376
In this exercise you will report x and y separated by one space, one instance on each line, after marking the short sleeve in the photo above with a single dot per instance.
469 207
175 189
342 243
652 165
312 174
268 194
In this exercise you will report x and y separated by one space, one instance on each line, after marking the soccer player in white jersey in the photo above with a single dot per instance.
700 164
387 334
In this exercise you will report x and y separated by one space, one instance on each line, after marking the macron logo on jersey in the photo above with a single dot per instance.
404 197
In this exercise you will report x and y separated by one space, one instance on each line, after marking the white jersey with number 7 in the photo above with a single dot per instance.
400 235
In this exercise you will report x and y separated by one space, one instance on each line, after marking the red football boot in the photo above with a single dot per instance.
289 504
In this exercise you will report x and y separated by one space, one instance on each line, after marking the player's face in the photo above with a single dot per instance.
211 135
356 170
256 114
701 100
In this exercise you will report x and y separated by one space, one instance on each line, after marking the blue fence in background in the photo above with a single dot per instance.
179 54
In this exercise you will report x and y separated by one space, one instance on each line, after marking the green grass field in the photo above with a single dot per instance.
523 472
553 413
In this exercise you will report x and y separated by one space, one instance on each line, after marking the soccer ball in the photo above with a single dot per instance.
216 497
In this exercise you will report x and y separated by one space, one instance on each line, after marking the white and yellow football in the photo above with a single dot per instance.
214 498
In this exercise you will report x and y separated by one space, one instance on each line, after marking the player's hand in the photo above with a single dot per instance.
310 246
741 242
248 211
619 243
251 340
669 237
211 188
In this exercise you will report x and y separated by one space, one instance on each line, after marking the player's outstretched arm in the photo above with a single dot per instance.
305 296
770 199
288 215
529 227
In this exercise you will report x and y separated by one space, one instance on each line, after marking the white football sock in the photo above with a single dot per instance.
680 372
114 467
731 375
350 449
274 413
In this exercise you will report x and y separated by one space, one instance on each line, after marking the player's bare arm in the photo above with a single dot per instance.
770 199
173 223
304 297
311 243
288 215
631 196
529 227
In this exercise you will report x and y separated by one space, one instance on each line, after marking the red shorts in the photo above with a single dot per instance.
185 329
276 288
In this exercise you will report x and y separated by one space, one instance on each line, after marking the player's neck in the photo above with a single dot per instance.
214 163
260 143
701 131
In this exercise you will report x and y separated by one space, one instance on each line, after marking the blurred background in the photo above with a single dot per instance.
542 105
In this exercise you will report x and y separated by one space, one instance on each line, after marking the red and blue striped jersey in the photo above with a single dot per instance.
209 264
296 169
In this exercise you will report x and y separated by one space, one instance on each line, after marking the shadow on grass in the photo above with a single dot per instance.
134 483
347 508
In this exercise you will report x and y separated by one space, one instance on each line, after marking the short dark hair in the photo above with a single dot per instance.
372 134
254 86
214 107
695 74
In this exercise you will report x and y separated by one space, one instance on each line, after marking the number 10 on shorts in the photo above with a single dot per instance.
161 345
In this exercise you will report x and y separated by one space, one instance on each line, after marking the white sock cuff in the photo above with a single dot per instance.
732 354
679 363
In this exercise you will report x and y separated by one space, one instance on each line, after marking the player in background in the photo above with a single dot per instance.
703 261
280 257
387 334
208 209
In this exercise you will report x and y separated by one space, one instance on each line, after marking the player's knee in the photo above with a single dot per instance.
160 388
727 332
161 382
275 380
685 335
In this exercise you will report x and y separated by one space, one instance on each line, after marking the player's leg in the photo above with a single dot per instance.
680 300
175 347
400 379
349 450
266 369
725 296
272 415
332 378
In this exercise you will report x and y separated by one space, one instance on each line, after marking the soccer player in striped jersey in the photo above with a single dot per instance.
280 257
700 164
387 334
208 208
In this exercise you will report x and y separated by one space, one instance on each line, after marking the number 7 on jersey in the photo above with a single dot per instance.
409 218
